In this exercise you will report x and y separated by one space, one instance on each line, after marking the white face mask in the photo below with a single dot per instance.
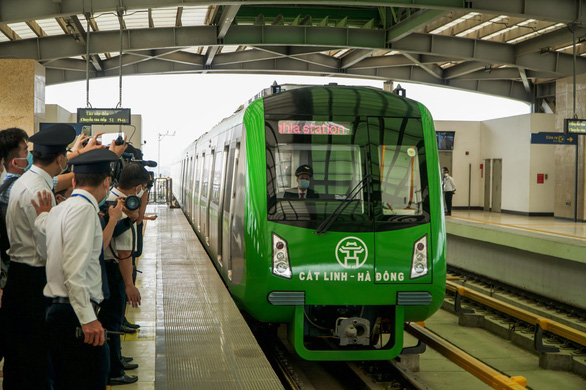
304 183
63 169
140 193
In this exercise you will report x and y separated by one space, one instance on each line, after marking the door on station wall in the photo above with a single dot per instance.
445 160
487 172
497 178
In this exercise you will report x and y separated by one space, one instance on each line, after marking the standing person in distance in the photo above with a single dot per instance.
26 358
449 189
74 276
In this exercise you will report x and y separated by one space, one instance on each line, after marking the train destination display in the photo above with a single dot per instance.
314 128
575 126
103 116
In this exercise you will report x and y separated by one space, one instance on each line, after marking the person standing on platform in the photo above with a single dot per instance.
133 180
449 189
75 285
24 306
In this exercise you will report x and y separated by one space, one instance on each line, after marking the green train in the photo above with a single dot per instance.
321 207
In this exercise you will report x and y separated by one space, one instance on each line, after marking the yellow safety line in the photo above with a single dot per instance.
519 227
524 315
487 374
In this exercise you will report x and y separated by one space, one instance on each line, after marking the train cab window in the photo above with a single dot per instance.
369 172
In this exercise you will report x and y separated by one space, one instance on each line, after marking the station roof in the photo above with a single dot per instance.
510 48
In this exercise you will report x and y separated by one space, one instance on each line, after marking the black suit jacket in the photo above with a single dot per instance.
293 193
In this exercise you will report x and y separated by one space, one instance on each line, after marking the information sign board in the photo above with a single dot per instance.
103 116
575 126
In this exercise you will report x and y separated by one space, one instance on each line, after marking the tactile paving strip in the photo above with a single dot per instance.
202 340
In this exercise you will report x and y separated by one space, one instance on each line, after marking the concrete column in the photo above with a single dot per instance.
22 94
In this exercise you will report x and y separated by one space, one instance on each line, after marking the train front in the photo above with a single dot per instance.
346 237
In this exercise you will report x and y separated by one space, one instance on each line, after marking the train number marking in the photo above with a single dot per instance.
351 252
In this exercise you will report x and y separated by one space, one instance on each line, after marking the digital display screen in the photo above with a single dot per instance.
575 126
314 128
445 140
103 116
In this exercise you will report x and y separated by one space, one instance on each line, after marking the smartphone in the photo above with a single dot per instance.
86 130
108 138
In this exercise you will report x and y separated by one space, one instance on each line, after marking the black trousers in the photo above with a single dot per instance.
111 314
448 196
76 365
26 357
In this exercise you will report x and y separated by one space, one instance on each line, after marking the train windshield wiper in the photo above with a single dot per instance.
329 221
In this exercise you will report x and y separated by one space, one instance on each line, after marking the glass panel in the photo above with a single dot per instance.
400 181
217 176
206 176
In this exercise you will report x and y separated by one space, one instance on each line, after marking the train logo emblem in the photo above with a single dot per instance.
351 252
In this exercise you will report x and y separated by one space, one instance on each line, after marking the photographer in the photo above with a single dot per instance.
132 184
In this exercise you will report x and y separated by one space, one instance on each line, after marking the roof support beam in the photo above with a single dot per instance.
432 69
526 82
355 56
464 69
406 27
565 11
226 19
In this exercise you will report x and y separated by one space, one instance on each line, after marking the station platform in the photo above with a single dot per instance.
542 255
192 335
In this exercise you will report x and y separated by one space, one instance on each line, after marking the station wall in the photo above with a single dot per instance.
508 139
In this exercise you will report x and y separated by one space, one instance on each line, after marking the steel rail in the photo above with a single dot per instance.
521 314
485 373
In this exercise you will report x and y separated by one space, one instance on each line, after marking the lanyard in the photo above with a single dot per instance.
83 196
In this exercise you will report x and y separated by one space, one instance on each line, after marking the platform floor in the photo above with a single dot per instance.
549 225
192 335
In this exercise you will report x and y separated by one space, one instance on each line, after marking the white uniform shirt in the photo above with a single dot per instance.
448 184
26 245
74 244
124 241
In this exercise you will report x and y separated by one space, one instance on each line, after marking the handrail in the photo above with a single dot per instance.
521 314
485 373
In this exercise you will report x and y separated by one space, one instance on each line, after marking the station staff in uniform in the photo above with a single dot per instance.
304 174
74 277
23 303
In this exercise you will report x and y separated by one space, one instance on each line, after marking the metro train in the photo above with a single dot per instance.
346 267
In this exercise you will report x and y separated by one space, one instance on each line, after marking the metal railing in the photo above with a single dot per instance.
161 191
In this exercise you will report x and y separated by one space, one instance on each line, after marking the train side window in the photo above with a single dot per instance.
229 176
198 175
206 176
216 177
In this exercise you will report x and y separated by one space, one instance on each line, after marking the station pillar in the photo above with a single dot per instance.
22 94
565 200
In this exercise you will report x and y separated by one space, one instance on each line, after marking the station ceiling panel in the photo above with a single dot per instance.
515 49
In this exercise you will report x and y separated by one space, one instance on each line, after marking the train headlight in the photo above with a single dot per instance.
281 265
419 266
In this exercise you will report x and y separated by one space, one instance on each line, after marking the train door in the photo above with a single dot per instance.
497 176
203 204
205 196
189 188
220 216
196 193
195 200
487 173
215 206
230 195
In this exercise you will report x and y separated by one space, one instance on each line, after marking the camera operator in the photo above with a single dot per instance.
132 184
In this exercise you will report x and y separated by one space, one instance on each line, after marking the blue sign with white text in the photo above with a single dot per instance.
553 139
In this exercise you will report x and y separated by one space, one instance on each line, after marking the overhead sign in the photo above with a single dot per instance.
103 116
314 128
554 139
575 126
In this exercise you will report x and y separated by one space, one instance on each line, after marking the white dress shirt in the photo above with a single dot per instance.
74 244
123 242
448 184
26 245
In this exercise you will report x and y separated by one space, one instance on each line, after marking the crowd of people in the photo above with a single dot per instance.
68 246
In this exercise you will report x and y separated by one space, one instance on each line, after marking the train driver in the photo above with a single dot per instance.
304 175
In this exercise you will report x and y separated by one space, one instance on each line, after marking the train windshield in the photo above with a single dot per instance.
355 173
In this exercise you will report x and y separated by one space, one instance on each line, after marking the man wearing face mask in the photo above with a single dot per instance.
304 175
23 303
75 278
133 180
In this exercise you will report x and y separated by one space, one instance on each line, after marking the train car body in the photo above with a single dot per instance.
348 267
